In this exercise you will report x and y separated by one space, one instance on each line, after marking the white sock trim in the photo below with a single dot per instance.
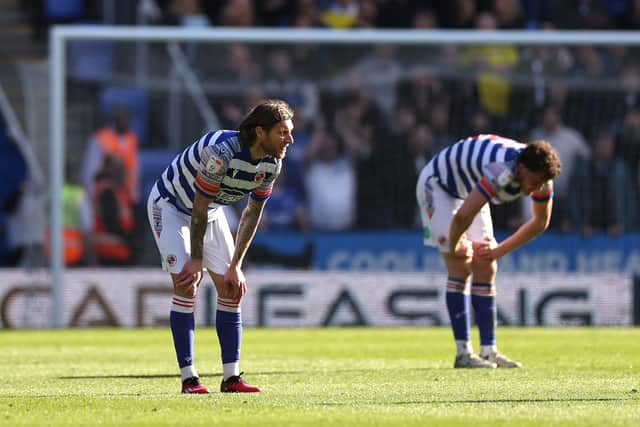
464 347
229 305
488 349
182 304
230 369
188 372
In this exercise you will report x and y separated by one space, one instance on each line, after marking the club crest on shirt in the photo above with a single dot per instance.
214 166
171 260
504 178
260 175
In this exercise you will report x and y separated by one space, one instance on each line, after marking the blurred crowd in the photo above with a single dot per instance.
369 117
510 14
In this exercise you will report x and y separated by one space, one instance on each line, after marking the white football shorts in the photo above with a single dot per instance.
171 231
437 208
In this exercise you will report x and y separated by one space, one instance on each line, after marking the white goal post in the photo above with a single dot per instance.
60 36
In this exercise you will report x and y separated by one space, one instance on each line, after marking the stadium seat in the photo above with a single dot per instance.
135 99
64 10
152 163
92 60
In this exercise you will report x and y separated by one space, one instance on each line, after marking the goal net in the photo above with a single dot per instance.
389 99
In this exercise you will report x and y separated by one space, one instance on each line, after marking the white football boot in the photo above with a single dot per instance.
501 360
472 360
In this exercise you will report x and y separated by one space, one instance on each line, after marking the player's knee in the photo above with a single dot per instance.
228 294
484 268
187 290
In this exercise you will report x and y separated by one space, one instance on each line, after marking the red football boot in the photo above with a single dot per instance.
194 386
236 384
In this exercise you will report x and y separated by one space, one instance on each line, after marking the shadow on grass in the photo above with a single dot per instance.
151 376
219 374
475 401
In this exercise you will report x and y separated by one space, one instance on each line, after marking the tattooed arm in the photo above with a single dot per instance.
191 273
247 227
249 220
199 219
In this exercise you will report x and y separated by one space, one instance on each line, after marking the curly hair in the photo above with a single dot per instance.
540 156
266 115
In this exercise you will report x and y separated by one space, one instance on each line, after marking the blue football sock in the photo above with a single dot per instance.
459 308
483 299
229 328
182 324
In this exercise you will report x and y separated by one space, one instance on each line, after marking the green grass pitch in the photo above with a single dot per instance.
320 377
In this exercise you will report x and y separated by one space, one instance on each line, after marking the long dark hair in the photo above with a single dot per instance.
266 115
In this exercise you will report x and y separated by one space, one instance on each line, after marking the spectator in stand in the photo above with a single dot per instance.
330 184
465 14
492 64
421 92
367 14
569 144
280 76
580 15
424 19
231 108
116 138
378 73
398 13
186 13
340 14
509 14
631 19
440 126
588 106
421 147
237 13
114 223
306 124
408 144
273 13
306 15
479 123
360 125
628 147
241 65
536 12
601 197
286 210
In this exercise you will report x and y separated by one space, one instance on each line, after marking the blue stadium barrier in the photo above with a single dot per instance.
404 251
152 164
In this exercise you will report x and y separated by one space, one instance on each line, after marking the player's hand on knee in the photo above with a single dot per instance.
189 277
235 282
485 250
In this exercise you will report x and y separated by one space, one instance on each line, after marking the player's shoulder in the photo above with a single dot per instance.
270 164
500 173
222 144
500 139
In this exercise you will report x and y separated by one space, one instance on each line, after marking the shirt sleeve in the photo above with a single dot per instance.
271 172
495 177
211 171
545 193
